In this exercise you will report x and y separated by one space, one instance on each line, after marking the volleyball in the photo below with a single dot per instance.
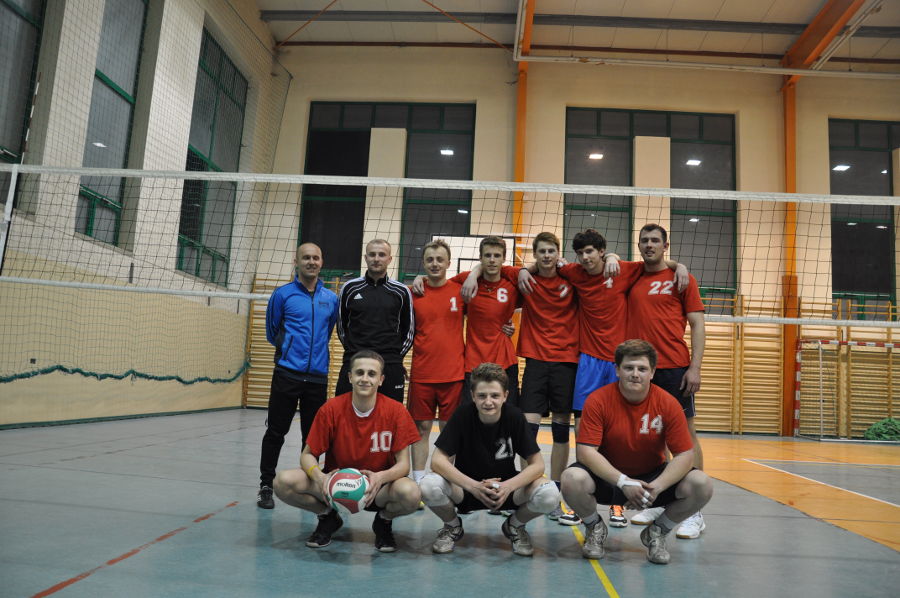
346 491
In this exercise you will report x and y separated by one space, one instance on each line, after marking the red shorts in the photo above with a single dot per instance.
425 398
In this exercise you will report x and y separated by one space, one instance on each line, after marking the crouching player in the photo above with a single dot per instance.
626 427
474 465
362 429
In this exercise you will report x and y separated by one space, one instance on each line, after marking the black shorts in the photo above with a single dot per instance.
670 381
512 372
469 504
393 385
547 386
610 494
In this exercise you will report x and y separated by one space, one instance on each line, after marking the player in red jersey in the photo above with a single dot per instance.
437 373
658 313
625 432
602 316
366 430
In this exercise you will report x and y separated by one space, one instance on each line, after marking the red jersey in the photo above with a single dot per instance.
438 345
491 308
549 329
657 313
603 305
349 440
633 438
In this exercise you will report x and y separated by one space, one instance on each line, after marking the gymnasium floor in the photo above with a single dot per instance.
165 506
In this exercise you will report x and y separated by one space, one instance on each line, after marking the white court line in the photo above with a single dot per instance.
822 483
832 463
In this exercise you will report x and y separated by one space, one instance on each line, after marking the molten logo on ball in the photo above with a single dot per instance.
346 491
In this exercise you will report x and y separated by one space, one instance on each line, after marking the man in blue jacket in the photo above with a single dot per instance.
299 321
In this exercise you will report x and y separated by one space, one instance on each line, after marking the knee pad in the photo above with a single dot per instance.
544 499
435 490
560 432
534 428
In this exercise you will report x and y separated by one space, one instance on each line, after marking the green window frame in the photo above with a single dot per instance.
598 123
862 305
102 198
16 109
200 252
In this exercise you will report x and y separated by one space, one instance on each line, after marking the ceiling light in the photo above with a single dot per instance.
446 152
693 220
881 226
693 162
851 224
595 156
98 144
841 167
461 211
884 171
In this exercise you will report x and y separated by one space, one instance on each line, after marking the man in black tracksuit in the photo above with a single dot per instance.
376 313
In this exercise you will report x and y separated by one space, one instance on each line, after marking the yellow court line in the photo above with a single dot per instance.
607 584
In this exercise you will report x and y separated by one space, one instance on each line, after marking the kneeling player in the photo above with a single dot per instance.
625 429
362 429
474 465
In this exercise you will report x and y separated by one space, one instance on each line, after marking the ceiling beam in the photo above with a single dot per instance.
497 18
826 26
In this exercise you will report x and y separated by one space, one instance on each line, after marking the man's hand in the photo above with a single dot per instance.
469 288
418 285
682 277
610 265
690 383
376 481
639 497
508 329
484 492
526 281
498 491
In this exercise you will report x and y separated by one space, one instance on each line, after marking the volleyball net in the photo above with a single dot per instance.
161 283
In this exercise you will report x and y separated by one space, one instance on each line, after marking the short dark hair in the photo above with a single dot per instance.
492 240
367 354
589 237
545 237
636 348
489 372
652 226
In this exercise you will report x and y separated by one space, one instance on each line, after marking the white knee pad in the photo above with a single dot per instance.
435 490
544 499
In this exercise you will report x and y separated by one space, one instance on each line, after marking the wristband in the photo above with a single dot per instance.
309 470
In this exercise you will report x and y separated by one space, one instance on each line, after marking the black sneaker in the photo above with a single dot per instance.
384 534
329 523
264 498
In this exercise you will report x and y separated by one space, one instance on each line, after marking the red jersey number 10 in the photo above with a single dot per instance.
381 442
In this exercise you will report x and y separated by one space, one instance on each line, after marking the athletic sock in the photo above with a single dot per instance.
665 524
455 523
591 520
514 521
418 474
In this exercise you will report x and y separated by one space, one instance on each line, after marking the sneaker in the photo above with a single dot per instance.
594 536
653 538
647 516
569 519
447 538
521 541
691 527
264 498
384 534
329 523
503 513
617 516
556 513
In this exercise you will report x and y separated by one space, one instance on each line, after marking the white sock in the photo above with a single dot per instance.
418 474
455 523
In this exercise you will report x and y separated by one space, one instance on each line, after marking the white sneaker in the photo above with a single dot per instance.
647 516
691 527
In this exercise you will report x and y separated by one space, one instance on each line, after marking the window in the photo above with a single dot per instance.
600 151
20 35
217 123
101 199
440 144
862 236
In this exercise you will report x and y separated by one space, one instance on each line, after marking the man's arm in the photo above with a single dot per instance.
603 469
441 465
534 469
377 479
691 381
470 286
274 316
674 472
407 319
343 315
310 464
682 276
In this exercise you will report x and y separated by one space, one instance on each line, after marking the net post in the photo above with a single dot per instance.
790 338
7 213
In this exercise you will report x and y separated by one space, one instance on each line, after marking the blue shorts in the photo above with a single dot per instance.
592 374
